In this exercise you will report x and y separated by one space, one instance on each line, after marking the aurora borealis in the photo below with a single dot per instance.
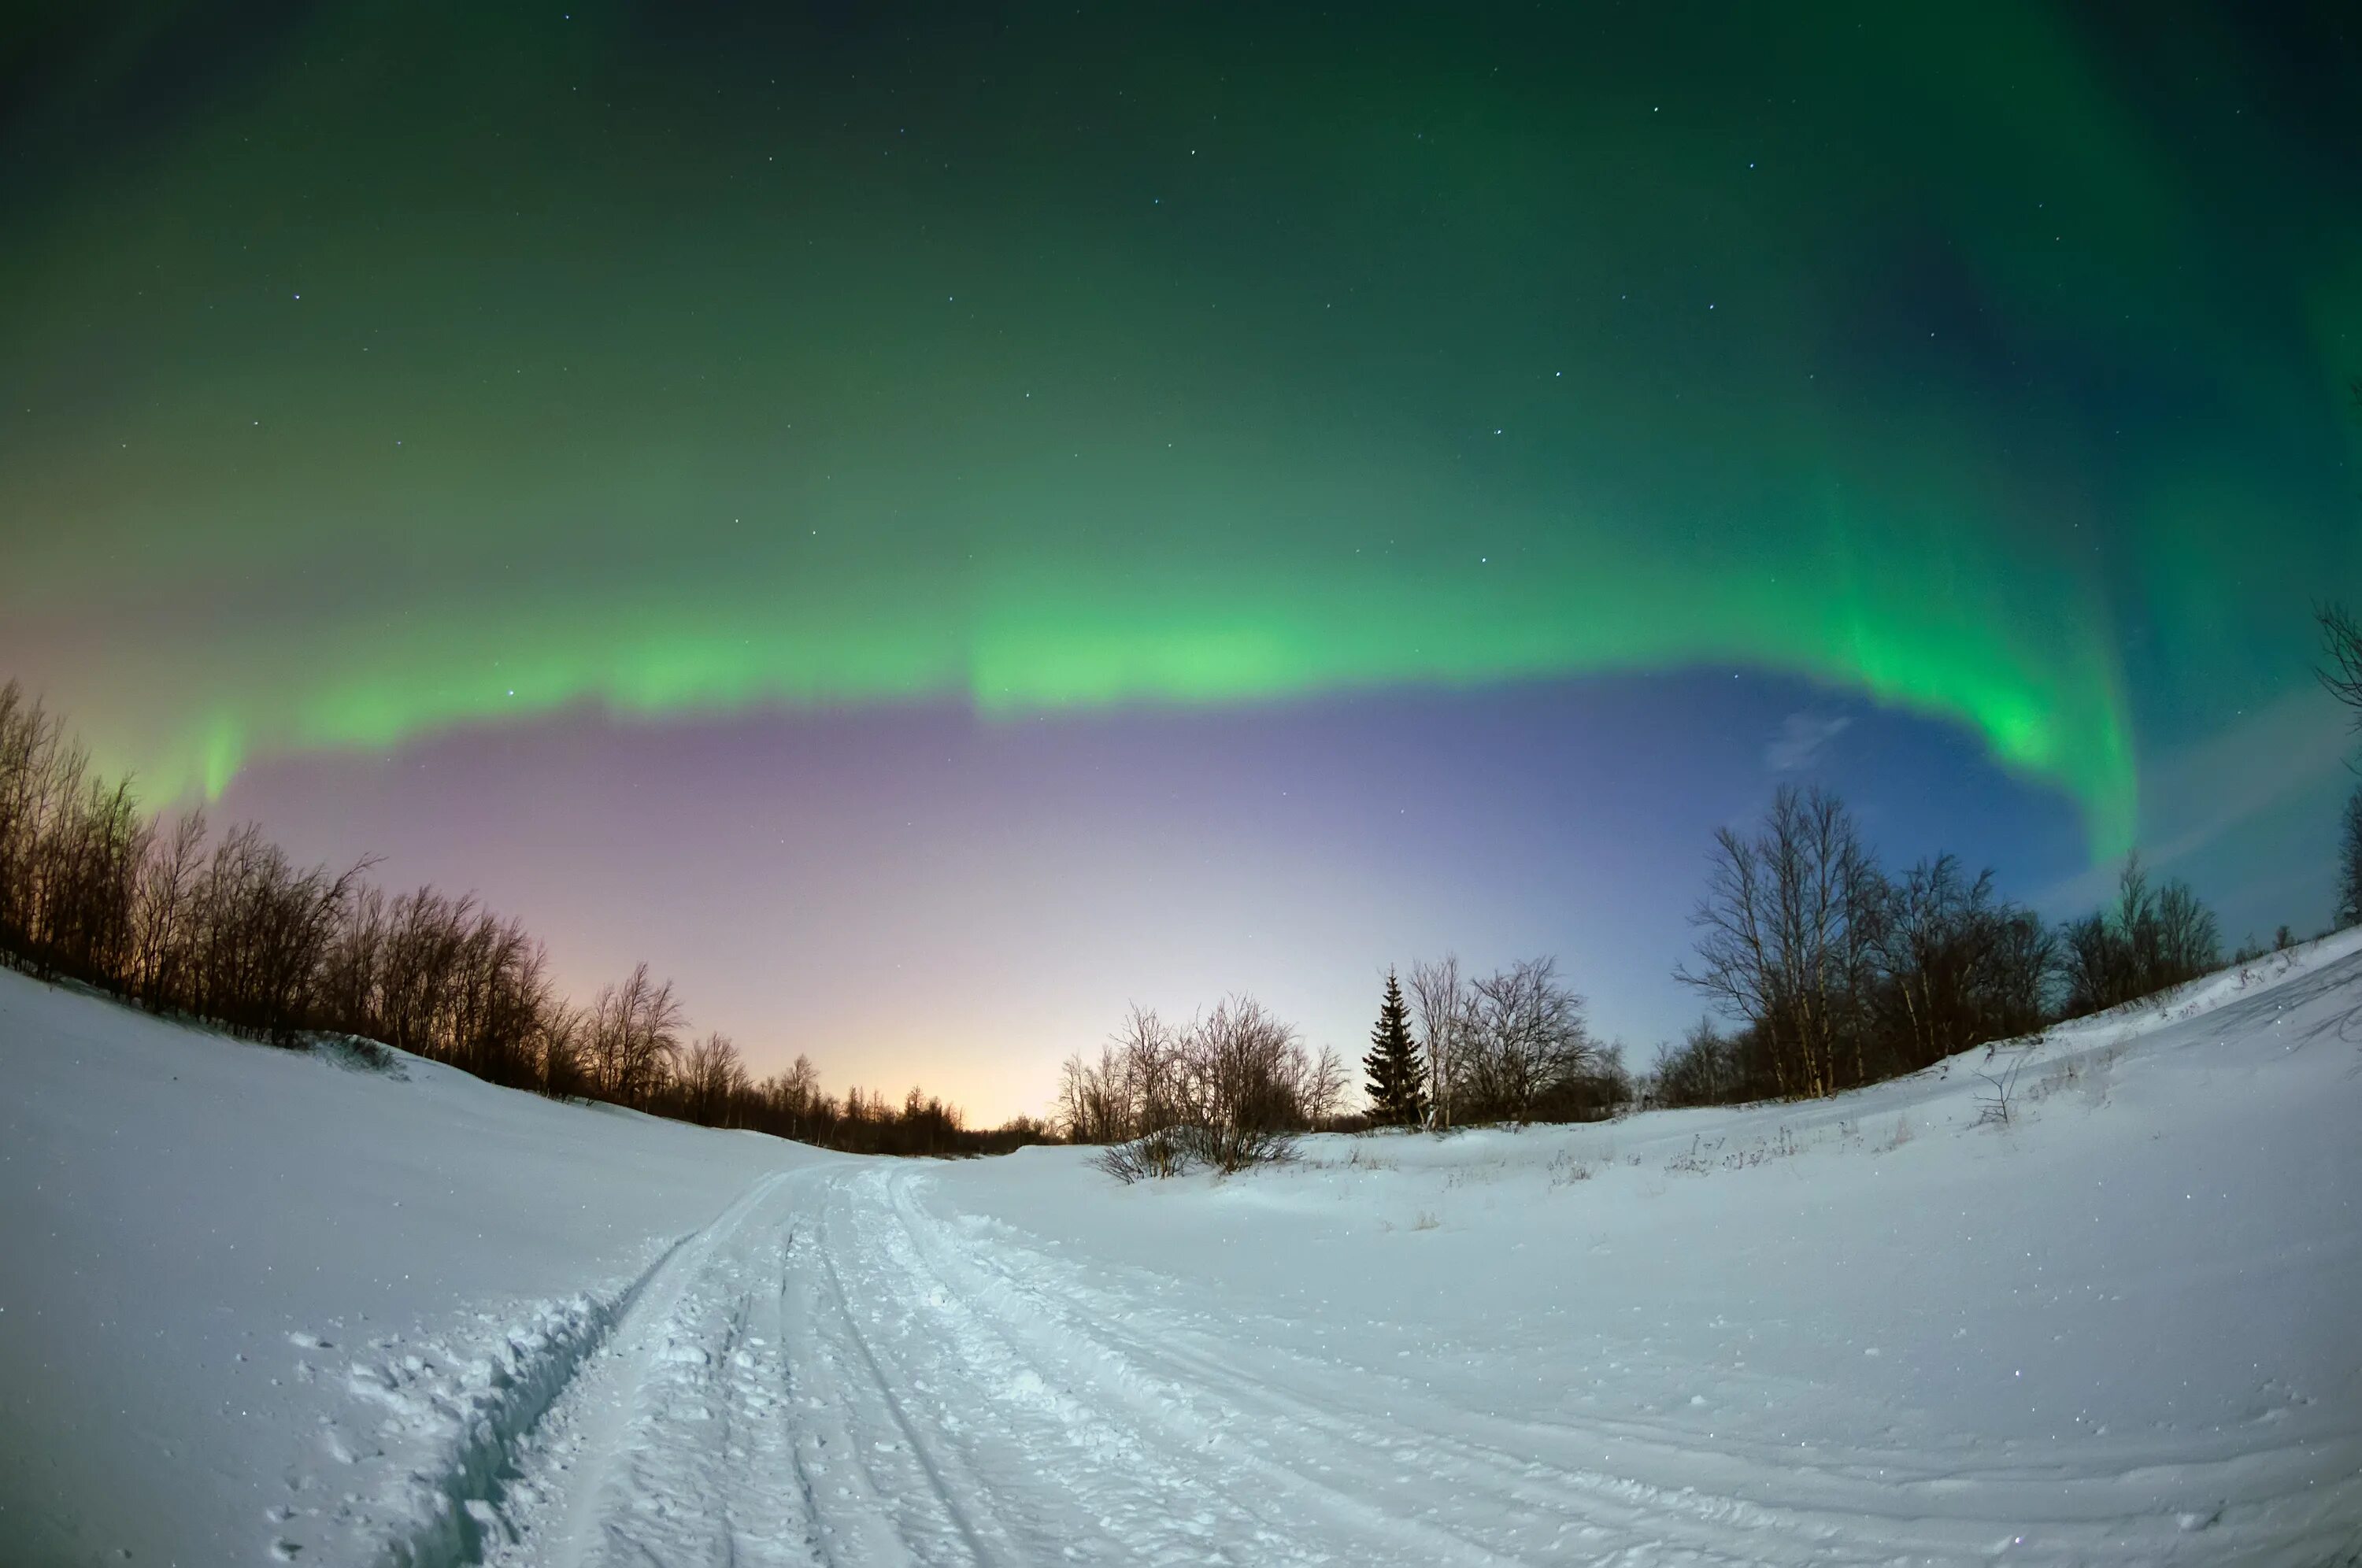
383 385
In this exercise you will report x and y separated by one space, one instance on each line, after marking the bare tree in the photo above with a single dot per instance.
1778 944
2153 938
634 1036
1704 1069
87 875
161 919
1151 1092
713 1081
1931 944
1442 1007
1321 1092
1526 1038
2340 670
558 1051
792 1101
2189 942
30 743
2349 864
1734 966
1090 1100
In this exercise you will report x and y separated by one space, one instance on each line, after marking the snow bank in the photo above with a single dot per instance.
256 1301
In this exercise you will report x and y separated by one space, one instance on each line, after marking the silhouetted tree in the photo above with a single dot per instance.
1704 1069
1778 942
1526 1041
2340 670
712 1081
1444 1014
1958 965
1396 1077
2151 939
634 1035
2349 864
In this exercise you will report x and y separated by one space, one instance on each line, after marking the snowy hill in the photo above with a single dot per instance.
254 1301
237 1283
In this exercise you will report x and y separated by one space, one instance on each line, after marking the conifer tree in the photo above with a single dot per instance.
1397 1094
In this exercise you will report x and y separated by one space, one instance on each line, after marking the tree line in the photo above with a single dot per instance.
1235 1085
1828 973
1824 972
229 930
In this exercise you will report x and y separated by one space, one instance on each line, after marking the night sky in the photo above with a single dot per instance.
930 526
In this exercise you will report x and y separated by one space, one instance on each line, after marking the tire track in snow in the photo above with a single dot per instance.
470 1492
1163 1385
832 1372
682 1367
1176 1463
1503 1485
934 1460
1664 1500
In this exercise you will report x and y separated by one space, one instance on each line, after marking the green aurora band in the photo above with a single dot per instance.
1056 363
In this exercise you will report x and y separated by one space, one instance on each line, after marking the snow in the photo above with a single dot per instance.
256 1300
250 1297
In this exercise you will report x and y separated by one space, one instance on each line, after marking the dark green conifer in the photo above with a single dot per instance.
1397 1085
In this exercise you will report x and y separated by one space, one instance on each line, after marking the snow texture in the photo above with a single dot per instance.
258 1305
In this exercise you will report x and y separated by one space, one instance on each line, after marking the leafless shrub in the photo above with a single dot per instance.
1781 1146
1230 1090
1696 1160
1997 1102
2086 1072
1167 1152
1565 1170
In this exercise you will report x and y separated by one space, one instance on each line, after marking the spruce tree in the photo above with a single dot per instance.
1397 1081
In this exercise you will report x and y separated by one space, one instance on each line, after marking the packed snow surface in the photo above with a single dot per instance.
256 1304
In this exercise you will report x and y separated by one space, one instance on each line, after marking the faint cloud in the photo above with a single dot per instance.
1802 738
2192 798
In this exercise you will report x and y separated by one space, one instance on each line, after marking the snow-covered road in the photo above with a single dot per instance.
832 1373
841 1371
256 1305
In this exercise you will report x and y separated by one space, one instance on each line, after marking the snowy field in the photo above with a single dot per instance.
255 1304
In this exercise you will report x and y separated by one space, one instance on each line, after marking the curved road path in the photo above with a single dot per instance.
833 1372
